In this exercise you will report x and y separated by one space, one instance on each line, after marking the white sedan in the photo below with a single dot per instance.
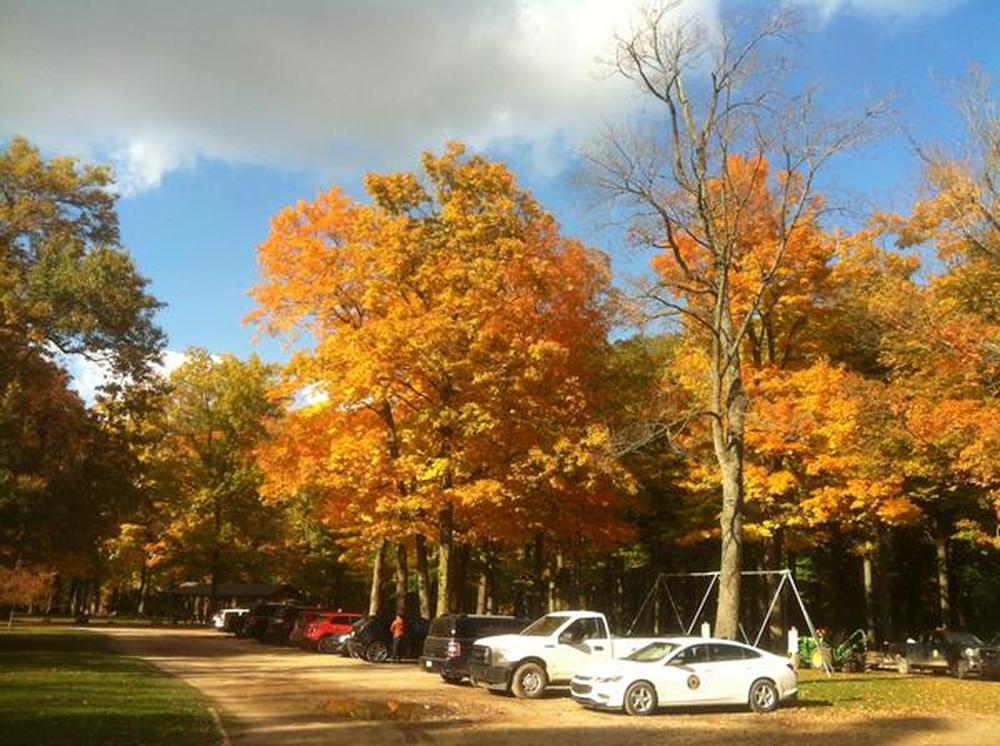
686 672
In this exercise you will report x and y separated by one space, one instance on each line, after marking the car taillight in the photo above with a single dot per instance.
454 649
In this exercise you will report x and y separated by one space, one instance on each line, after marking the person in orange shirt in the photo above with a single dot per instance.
398 630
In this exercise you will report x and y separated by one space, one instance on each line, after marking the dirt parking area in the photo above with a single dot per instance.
272 695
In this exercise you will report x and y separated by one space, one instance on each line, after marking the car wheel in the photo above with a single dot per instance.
763 696
376 652
529 681
327 644
902 664
452 679
640 698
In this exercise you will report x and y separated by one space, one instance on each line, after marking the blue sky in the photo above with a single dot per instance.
217 114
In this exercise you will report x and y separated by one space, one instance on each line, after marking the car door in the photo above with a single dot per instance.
575 646
688 678
733 669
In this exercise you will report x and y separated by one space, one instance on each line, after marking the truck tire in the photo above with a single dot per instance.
640 699
529 681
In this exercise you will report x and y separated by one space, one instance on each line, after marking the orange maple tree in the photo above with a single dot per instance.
457 338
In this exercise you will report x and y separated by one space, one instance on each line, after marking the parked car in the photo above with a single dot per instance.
450 638
328 631
281 622
687 672
548 651
224 618
302 621
371 640
989 658
256 621
954 651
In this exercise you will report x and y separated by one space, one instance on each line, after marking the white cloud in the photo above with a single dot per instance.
87 375
328 87
142 164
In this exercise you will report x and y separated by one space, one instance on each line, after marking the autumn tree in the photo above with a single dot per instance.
943 336
66 286
689 178
214 522
457 333
65 282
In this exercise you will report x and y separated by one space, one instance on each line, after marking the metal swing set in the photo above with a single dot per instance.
663 581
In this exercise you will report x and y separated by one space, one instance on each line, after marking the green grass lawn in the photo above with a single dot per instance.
883 692
62 686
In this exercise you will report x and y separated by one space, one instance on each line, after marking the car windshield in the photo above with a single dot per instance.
655 651
545 626
962 638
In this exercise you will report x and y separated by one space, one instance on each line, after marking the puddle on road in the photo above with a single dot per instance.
350 708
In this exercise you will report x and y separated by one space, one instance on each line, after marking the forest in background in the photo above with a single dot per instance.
467 421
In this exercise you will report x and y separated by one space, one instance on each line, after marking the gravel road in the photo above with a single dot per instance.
272 695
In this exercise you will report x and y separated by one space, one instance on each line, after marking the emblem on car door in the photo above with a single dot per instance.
693 682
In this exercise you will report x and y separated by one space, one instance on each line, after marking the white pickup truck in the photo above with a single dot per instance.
548 651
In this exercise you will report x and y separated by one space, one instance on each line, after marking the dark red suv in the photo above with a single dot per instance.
325 631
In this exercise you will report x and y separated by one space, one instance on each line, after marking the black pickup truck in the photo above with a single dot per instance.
954 651
989 656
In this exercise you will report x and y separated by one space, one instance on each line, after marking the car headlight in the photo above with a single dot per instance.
498 657
970 652
608 679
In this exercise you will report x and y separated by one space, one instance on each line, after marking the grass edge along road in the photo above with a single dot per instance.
884 693
60 686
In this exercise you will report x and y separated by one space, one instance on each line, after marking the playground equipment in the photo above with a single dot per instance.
786 583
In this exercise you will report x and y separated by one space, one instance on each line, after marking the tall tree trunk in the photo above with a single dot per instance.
884 588
53 594
729 405
481 591
944 592
727 618
539 603
487 583
460 575
143 583
378 573
402 576
445 592
774 550
216 554
423 577
868 572
94 601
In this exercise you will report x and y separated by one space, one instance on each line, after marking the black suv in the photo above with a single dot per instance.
449 641
255 623
371 640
